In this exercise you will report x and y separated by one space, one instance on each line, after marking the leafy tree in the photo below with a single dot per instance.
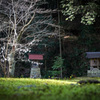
88 10
58 64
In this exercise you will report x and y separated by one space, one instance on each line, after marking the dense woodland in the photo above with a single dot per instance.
78 29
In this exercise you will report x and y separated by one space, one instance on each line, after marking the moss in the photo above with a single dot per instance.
43 89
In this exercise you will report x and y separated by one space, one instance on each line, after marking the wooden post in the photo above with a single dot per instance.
60 46
45 59
98 63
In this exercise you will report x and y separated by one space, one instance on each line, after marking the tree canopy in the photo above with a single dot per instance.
88 10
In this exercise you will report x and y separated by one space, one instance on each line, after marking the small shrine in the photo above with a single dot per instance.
35 69
94 59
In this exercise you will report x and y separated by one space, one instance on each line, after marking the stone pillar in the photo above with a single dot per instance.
35 71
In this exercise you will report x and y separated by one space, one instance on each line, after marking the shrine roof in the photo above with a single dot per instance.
92 54
35 56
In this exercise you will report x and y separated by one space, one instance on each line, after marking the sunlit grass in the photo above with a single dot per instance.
47 89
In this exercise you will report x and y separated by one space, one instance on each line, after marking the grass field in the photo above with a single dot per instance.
48 89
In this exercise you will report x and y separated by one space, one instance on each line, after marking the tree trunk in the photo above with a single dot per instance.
11 63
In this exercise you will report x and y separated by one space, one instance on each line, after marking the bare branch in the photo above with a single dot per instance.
22 25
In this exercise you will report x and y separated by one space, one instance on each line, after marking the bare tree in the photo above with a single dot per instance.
22 24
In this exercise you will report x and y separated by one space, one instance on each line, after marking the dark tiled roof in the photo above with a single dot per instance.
93 54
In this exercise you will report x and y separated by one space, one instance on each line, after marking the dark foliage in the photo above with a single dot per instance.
88 82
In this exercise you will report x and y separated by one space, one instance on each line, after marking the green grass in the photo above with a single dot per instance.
47 89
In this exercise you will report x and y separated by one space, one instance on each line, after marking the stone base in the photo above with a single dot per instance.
93 73
35 72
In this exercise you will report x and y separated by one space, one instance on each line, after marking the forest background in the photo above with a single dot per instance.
67 51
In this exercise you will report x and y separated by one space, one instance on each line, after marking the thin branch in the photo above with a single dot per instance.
21 31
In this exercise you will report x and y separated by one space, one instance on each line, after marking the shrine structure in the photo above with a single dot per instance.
94 59
35 69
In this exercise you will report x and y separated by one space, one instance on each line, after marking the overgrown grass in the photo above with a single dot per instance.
47 89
